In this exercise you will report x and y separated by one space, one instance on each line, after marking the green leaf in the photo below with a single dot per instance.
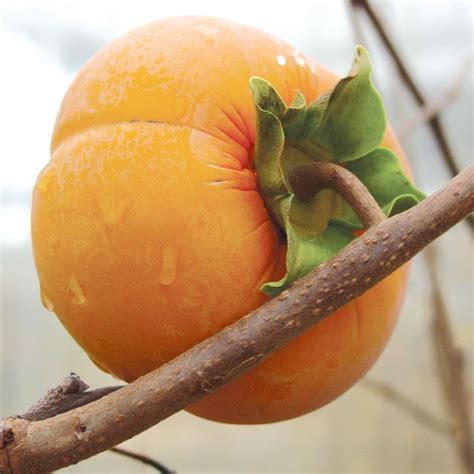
313 117
344 126
294 117
269 144
266 97
305 253
353 123
382 174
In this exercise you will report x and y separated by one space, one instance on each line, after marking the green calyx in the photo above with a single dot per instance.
343 127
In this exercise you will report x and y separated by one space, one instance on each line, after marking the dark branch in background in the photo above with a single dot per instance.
429 110
143 459
449 357
357 31
434 121
310 179
417 412
450 367
46 445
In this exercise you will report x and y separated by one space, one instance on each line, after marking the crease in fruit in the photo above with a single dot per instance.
240 135
244 127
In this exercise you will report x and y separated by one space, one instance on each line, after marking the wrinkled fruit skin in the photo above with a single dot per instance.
149 233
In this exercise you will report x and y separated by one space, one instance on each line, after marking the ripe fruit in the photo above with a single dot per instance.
149 233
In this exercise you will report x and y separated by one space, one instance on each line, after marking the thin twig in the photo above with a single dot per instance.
430 110
71 393
42 446
450 364
417 412
434 121
144 459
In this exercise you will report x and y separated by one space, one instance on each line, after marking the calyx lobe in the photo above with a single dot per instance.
343 127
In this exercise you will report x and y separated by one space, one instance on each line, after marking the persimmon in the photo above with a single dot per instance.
150 231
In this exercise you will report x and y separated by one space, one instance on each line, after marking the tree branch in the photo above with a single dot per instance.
417 412
46 445
429 110
430 113
310 179
143 459
434 122
450 365
71 393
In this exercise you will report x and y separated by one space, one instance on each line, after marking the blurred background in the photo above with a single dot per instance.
400 418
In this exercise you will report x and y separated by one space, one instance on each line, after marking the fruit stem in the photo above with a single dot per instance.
309 180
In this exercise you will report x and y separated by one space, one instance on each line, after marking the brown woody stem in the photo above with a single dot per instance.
308 180
46 445
70 393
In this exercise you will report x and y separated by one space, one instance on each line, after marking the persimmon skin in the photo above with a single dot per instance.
149 233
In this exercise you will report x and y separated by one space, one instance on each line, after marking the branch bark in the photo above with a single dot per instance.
70 393
46 445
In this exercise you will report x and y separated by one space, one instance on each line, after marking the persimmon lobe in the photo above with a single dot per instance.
149 232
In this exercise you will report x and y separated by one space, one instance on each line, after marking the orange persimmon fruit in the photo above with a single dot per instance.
149 232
